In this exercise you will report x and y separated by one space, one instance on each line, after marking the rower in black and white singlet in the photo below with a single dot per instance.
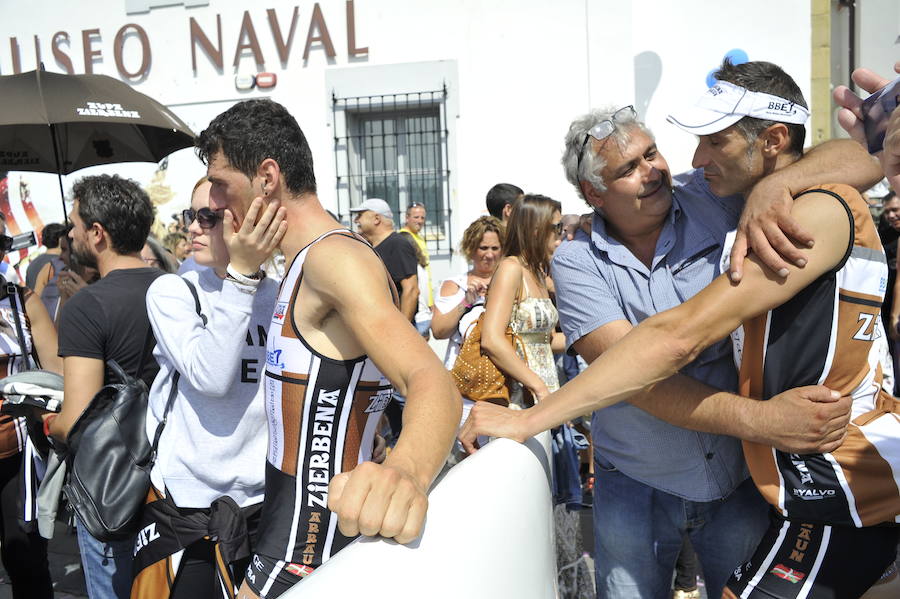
322 415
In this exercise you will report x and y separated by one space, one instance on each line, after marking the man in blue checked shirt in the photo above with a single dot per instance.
670 460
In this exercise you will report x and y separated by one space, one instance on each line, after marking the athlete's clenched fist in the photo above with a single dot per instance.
379 499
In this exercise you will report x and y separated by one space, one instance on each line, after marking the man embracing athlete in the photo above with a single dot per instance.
834 520
336 345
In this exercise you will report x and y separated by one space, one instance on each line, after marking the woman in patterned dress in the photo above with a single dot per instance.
518 295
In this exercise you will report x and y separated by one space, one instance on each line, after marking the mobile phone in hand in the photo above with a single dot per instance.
876 110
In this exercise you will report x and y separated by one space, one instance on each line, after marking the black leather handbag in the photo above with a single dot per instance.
109 457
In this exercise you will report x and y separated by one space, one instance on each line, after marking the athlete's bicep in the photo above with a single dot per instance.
354 284
722 306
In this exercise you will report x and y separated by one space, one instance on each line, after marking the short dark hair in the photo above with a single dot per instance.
121 207
51 233
761 76
499 196
253 130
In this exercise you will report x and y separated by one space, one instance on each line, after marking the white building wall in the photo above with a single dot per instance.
518 71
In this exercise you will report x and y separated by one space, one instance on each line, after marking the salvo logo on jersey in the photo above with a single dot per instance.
814 494
380 400
107 109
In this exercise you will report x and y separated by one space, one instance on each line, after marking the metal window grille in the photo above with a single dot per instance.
394 147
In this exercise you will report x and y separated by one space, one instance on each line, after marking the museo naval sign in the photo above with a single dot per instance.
205 35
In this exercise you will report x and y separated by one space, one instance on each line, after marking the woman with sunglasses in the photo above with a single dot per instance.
208 478
518 296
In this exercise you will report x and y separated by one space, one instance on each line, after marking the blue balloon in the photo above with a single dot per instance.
737 56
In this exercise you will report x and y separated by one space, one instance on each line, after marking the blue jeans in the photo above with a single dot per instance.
107 566
638 534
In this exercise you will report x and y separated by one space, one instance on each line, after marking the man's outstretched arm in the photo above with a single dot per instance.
801 420
388 499
658 347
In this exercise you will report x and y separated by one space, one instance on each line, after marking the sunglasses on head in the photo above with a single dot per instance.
206 218
605 128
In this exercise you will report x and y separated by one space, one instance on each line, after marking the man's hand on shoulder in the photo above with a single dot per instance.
766 227
379 499
803 420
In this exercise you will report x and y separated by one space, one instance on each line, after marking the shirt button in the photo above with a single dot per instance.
709 456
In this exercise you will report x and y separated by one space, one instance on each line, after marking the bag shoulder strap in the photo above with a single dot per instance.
173 392
14 291
196 301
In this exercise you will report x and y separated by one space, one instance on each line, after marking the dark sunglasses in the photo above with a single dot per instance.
206 218
557 227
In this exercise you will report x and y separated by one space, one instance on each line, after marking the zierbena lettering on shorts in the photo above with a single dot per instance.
322 415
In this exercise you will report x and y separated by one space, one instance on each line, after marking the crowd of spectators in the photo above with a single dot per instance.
201 319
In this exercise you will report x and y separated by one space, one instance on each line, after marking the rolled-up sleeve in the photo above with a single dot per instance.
584 297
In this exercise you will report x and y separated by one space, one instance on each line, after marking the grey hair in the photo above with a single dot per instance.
591 163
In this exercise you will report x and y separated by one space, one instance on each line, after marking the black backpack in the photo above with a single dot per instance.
109 457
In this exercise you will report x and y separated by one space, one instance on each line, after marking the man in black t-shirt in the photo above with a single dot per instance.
110 218
375 221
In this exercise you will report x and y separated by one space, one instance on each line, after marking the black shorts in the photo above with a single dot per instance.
269 577
815 561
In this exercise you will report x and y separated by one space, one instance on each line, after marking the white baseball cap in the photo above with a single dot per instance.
725 103
375 205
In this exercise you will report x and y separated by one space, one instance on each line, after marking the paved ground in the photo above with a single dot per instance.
68 579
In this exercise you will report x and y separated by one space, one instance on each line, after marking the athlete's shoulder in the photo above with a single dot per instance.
341 249
852 205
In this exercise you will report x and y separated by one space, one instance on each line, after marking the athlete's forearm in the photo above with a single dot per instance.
430 421
650 353
688 403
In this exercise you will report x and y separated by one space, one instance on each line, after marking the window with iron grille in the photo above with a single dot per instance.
394 147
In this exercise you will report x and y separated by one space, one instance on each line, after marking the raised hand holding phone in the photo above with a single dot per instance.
881 115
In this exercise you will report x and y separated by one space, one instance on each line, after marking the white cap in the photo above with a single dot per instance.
375 205
724 104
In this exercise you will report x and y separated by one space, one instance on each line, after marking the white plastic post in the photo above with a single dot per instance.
489 534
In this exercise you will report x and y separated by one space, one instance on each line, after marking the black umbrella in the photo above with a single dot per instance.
57 123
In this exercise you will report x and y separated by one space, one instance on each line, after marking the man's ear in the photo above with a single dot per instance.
270 174
775 140
591 195
96 234
507 210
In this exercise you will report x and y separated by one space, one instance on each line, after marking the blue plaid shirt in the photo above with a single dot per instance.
598 280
